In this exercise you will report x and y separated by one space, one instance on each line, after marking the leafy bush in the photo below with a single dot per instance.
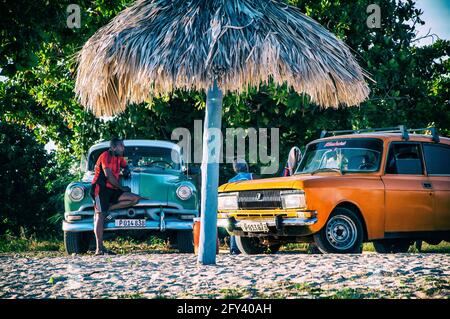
22 189
32 184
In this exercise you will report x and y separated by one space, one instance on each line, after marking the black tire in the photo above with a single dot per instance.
342 234
76 243
418 245
313 249
185 242
253 246
273 249
391 246
171 240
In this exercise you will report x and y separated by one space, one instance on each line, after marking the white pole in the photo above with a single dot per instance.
210 176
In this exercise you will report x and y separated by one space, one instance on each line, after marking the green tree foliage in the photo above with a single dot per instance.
23 190
406 88
37 56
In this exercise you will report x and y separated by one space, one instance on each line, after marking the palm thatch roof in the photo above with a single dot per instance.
156 46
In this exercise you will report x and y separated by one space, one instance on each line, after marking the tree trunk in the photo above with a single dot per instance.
210 176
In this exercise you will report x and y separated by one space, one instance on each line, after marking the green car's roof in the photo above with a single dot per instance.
155 143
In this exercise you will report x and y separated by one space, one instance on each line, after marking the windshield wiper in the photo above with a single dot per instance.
327 169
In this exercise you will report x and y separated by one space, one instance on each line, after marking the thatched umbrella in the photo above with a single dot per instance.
218 46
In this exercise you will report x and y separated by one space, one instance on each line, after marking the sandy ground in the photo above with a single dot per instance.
284 275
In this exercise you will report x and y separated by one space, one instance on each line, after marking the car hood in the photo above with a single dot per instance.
153 185
295 181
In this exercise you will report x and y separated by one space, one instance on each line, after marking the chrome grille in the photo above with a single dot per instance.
260 199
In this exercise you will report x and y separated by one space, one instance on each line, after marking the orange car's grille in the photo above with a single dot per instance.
259 199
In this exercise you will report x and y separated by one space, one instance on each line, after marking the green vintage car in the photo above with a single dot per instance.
159 173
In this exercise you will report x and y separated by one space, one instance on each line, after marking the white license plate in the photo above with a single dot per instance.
254 227
130 223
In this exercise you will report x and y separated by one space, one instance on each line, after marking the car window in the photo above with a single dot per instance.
437 159
144 157
404 158
347 155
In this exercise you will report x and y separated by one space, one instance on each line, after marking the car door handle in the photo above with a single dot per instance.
427 185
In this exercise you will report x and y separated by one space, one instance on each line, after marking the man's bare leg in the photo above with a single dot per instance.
99 219
126 200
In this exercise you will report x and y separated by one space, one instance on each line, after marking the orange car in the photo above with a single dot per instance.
388 187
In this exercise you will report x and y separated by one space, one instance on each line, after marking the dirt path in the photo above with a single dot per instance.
288 275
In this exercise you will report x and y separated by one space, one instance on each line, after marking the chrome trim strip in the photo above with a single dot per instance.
297 222
150 212
223 222
162 222
149 225
141 203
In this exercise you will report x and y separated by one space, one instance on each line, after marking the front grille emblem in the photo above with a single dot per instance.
131 212
259 196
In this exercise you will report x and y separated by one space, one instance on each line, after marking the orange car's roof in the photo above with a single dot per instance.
388 137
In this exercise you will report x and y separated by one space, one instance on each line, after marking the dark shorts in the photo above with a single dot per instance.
104 197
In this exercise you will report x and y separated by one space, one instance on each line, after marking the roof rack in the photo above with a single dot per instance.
395 129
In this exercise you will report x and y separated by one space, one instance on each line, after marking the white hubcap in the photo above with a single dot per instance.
341 232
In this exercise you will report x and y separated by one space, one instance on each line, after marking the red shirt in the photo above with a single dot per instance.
104 161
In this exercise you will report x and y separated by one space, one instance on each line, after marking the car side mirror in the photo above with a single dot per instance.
299 159
295 157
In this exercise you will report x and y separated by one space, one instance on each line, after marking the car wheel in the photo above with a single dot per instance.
343 233
249 245
313 249
387 246
185 242
273 249
76 243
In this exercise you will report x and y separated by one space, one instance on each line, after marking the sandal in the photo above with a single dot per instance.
105 252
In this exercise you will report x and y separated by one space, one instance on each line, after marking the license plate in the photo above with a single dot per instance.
130 223
254 227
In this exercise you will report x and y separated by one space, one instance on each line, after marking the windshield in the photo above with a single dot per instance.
144 157
344 155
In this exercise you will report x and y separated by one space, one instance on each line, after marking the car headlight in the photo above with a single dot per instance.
76 193
184 192
228 201
293 199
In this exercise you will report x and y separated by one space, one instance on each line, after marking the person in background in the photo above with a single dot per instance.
294 157
240 167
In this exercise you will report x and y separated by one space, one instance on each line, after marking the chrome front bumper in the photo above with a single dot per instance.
88 225
231 224
154 212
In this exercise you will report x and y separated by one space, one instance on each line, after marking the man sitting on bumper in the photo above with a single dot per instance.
106 191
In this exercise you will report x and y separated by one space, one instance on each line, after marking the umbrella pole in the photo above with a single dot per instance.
210 176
